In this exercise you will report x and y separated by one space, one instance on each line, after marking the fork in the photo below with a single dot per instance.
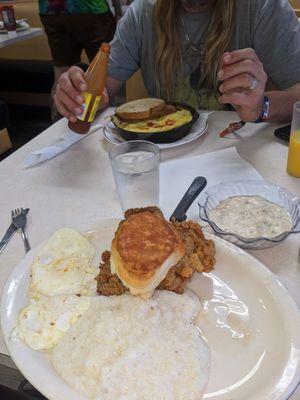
19 220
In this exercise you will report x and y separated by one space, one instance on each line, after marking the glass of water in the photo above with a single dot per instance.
135 166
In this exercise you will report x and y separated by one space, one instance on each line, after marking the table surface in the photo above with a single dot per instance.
76 188
6 40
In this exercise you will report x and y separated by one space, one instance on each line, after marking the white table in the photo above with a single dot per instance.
77 188
6 40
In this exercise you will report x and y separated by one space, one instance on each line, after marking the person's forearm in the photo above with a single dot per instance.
281 103
118 8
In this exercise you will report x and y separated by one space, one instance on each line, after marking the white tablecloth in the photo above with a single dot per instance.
77 188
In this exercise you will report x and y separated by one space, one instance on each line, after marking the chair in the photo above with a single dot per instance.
135 88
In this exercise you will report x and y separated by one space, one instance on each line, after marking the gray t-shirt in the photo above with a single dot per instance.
270 27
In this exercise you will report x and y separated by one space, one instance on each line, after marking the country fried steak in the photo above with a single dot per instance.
199 256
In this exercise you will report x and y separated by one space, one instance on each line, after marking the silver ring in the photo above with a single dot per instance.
254 84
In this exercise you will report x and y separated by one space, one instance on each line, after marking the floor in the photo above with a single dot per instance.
12 379
26 123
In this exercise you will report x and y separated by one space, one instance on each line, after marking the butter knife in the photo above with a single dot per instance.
193 191
8 235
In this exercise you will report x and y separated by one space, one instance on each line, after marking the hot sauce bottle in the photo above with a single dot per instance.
95 78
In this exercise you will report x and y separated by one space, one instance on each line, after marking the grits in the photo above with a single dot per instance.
126 348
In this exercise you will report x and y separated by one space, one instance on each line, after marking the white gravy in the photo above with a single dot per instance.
251 217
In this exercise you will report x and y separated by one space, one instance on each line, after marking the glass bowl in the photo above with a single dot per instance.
271 192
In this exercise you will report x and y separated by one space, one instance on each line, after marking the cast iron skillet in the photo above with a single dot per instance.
162 137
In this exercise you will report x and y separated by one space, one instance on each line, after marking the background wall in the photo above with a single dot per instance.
35 48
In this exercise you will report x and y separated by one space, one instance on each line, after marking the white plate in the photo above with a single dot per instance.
249 320
23 27
111 134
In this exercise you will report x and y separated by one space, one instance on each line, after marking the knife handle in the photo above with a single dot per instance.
193 191
25 240
6 238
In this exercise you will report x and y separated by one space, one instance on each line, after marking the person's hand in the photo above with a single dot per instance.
69 94
243 83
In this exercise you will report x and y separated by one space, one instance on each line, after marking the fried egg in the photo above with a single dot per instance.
43 322
63 266
165 123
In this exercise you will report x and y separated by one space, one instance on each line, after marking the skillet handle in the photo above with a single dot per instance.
193 191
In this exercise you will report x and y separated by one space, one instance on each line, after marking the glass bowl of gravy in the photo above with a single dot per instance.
251 214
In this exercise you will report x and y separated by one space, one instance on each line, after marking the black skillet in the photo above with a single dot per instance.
169 136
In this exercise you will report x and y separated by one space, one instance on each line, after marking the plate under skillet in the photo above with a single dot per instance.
169 136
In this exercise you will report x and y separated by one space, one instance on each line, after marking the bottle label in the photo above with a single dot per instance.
94 108
87 99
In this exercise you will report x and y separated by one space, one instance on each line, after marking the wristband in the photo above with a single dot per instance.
265 110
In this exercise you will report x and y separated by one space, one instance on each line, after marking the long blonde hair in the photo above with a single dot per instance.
168 52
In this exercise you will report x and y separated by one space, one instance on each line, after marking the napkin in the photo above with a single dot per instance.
219 166
61 144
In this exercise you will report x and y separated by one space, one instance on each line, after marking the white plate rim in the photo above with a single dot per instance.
276 288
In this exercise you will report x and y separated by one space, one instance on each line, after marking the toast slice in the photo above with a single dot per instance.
141 109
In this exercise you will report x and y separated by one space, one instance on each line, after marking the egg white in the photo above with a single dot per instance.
63 266
43 322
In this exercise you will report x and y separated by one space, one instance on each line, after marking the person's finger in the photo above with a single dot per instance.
242 81
64 111
239 55
69 103
237 99
105 99
243 67
77 78
67 86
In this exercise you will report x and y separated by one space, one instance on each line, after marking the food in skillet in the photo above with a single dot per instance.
150 115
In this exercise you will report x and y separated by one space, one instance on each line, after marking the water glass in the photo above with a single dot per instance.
135 166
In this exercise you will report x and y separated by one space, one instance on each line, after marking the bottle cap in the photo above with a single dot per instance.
105 47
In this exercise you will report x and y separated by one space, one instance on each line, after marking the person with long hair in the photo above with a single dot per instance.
211 54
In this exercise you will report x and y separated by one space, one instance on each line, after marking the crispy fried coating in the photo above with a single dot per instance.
200 252
132 211
199 256
143 242
108 284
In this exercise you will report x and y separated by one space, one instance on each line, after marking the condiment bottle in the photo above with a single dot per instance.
95 78
8 16
293 163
